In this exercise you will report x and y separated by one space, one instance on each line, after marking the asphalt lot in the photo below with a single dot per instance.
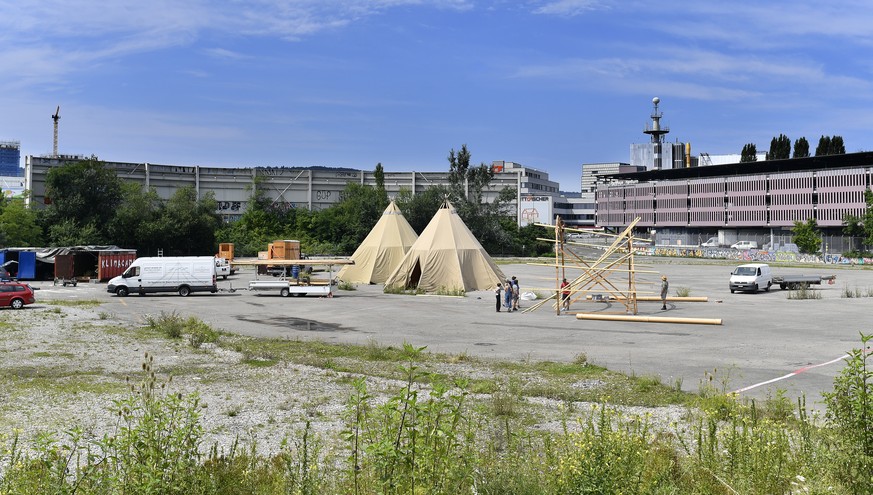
764 336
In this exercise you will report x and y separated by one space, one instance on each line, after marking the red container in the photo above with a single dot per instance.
111 264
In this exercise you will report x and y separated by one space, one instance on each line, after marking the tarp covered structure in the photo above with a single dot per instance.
446 256
382 250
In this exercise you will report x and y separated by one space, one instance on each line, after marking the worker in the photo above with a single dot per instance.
565 295
665 286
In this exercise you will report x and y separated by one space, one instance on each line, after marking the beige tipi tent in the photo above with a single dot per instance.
446 256
382 250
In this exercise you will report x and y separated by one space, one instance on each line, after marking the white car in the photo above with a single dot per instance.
711 242
745 245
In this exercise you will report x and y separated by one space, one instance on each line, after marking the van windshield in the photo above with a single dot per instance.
745 270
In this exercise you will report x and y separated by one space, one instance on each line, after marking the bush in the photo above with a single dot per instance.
850 414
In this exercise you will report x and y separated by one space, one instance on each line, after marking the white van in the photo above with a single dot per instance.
182 274
751 277
222 268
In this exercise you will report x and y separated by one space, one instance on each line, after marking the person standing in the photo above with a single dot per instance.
515 294
497 293
507 296
565 295
665 286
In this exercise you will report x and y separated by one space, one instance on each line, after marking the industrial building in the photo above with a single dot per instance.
313 188
752 200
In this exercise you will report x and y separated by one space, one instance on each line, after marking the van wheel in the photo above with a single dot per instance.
224 277
184 291
17 304
732 291
767 289
284 292
783 286
121 292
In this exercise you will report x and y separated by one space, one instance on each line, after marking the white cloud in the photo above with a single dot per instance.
569 7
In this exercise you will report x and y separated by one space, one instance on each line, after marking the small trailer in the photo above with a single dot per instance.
801 281
287 287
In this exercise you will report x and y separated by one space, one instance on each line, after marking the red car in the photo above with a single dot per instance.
15 295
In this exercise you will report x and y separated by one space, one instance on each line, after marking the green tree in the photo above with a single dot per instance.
137 221
18 224
828 145
418 209
824 146
780 148
801 148
379 175
861 226
190 223
69 232
80 194
806 236
837 146
466 191
345 224
749 153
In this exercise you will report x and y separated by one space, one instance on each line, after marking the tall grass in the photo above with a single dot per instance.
431 437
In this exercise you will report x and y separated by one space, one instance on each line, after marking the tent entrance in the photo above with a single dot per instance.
414 276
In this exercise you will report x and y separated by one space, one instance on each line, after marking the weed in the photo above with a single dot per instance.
850 413
580 359
169 324
343 285
804 292
375 352
74 303
200 333
450 291
683 291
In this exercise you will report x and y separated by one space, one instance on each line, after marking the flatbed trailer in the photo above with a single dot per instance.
801 281
287 287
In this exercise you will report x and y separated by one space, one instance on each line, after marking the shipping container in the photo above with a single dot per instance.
26 265
65 267
112 264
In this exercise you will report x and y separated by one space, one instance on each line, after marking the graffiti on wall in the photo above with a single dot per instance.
752 256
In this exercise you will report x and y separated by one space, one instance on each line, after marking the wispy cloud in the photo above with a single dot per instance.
569 7
48 38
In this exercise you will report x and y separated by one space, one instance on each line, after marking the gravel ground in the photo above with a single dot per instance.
63 366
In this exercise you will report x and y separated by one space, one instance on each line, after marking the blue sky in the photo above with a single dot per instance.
551 84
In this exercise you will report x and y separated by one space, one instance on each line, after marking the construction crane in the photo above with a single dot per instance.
56 117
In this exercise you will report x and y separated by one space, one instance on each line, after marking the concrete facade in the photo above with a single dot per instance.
759 195
312 188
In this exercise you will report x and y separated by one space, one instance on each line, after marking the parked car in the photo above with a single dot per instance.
745 245
711 242
16 295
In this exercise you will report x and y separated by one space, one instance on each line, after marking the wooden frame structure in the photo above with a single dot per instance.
613 273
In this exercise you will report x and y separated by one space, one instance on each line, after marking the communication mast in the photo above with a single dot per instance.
657 132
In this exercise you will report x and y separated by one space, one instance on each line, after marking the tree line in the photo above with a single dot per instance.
88 204
780 148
